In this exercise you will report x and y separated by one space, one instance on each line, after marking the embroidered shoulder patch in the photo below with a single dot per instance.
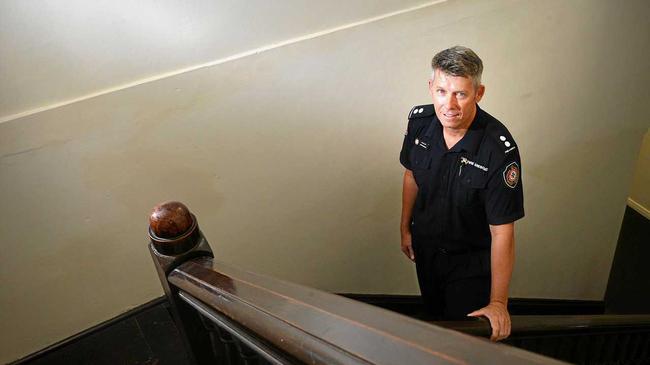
511 175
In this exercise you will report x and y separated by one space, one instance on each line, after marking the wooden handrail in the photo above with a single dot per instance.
555 324
307 324
315 326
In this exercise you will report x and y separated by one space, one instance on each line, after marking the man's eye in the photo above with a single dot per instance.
441 92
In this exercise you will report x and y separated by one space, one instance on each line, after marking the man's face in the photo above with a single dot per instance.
454 99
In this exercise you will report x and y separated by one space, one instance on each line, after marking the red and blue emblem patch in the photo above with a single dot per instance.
511 175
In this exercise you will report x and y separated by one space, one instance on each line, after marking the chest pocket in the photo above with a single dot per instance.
471 186
420 158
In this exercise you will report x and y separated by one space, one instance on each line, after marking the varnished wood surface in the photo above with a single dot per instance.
170 219
322 328
173 230
555 324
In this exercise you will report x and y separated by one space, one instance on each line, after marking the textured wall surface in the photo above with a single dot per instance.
640 191
289 159
54 52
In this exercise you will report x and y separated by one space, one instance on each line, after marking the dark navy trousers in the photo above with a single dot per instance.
453 282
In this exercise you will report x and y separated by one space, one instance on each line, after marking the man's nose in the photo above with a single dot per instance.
451 101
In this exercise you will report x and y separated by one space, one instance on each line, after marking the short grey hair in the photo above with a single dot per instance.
458 61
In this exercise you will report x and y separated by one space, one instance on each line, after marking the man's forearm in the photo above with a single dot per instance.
409 193
502 261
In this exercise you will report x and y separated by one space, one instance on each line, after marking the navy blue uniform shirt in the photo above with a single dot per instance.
462 190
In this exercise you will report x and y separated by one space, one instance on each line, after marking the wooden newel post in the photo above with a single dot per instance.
176 238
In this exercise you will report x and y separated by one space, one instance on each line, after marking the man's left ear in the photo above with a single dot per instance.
480 92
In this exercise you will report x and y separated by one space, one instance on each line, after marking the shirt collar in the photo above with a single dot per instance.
474 135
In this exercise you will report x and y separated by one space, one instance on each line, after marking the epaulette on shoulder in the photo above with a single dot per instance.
500 135
421 111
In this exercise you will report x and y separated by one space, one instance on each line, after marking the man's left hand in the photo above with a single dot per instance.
499 317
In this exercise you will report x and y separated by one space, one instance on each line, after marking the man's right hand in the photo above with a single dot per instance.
407 246
409 193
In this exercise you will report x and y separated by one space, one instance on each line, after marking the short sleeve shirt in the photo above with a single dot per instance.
465 189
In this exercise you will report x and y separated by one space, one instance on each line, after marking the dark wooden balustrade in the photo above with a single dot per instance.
230 316
227 315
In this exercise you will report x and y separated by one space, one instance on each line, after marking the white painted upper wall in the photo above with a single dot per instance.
54 51
640 191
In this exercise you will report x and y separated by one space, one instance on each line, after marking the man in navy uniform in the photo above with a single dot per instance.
462 193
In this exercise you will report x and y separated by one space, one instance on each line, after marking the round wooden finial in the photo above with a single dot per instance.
173 229
170 219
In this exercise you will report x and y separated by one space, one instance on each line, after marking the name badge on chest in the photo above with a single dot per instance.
421 143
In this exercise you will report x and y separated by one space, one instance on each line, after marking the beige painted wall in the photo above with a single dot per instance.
289 160
53 52
640 192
